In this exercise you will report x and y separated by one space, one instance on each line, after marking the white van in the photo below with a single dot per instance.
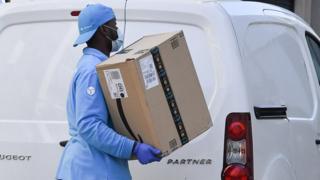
258 65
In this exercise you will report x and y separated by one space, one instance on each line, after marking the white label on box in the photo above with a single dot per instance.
115 83
149 72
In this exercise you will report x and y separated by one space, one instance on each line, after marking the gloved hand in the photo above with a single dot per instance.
146 153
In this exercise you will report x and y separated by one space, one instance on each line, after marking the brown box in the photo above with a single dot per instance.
153 93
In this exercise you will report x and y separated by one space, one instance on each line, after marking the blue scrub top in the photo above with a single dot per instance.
95 151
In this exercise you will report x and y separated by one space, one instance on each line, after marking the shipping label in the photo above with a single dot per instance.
115 83
149 72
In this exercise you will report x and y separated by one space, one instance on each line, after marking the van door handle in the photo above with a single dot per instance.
271 112
317 141
63 143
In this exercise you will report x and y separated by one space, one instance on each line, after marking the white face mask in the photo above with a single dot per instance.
118 43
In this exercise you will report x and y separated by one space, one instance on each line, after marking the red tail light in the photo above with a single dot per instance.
236 172
75 13
238 154
237 130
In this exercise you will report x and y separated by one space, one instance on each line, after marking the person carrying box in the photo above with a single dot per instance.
95 151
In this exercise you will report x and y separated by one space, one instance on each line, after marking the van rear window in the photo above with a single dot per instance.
314 47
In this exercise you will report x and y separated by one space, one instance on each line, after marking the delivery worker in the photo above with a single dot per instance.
95 151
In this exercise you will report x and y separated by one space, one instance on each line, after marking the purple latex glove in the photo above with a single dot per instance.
146 153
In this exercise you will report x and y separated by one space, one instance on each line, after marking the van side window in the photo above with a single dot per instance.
314 47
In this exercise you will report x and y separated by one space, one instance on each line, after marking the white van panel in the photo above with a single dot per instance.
276 76
40 97
215 52
37 61
265 53
280 54
276 70
28 161
43 33
278 169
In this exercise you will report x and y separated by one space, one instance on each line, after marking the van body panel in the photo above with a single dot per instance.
36 40
278 71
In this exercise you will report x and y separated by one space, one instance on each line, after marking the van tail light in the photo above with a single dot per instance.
75 13
238 154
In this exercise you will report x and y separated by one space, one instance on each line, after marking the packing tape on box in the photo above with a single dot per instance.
169 95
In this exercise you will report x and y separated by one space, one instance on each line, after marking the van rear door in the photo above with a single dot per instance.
281 93
313 46
37 62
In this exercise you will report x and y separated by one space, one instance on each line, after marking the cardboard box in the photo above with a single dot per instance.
153 93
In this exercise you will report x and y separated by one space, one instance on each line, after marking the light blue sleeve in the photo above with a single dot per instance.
92 118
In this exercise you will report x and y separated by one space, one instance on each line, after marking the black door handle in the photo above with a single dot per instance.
270 112
317 141
63 143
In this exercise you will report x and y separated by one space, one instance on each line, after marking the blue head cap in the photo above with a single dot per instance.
90 18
